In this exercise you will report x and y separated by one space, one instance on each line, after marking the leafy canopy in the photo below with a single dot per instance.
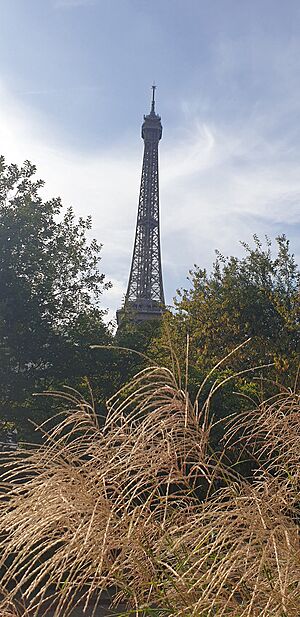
254 296
50 285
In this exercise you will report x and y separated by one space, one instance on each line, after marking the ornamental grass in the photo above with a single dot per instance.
137 503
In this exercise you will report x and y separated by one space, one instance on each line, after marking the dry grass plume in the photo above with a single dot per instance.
116 505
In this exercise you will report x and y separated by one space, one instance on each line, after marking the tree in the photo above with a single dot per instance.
51 288
132 342
256 296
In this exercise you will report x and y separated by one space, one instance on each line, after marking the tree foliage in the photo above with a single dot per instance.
50 285
255 296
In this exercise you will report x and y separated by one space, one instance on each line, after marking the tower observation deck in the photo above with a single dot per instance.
144 298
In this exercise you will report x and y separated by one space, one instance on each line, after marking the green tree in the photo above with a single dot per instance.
50 294
255 296
133 342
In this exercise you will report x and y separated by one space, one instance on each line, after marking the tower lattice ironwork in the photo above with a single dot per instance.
145 297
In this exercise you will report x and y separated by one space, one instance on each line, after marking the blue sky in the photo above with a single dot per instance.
75 79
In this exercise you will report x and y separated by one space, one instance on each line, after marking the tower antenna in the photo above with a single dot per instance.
153 98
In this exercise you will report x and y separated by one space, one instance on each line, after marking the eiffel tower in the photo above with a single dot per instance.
144 298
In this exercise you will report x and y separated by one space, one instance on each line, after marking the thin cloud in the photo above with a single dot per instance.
60 91
68 4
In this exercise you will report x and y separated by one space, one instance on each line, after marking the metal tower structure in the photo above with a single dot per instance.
145 297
